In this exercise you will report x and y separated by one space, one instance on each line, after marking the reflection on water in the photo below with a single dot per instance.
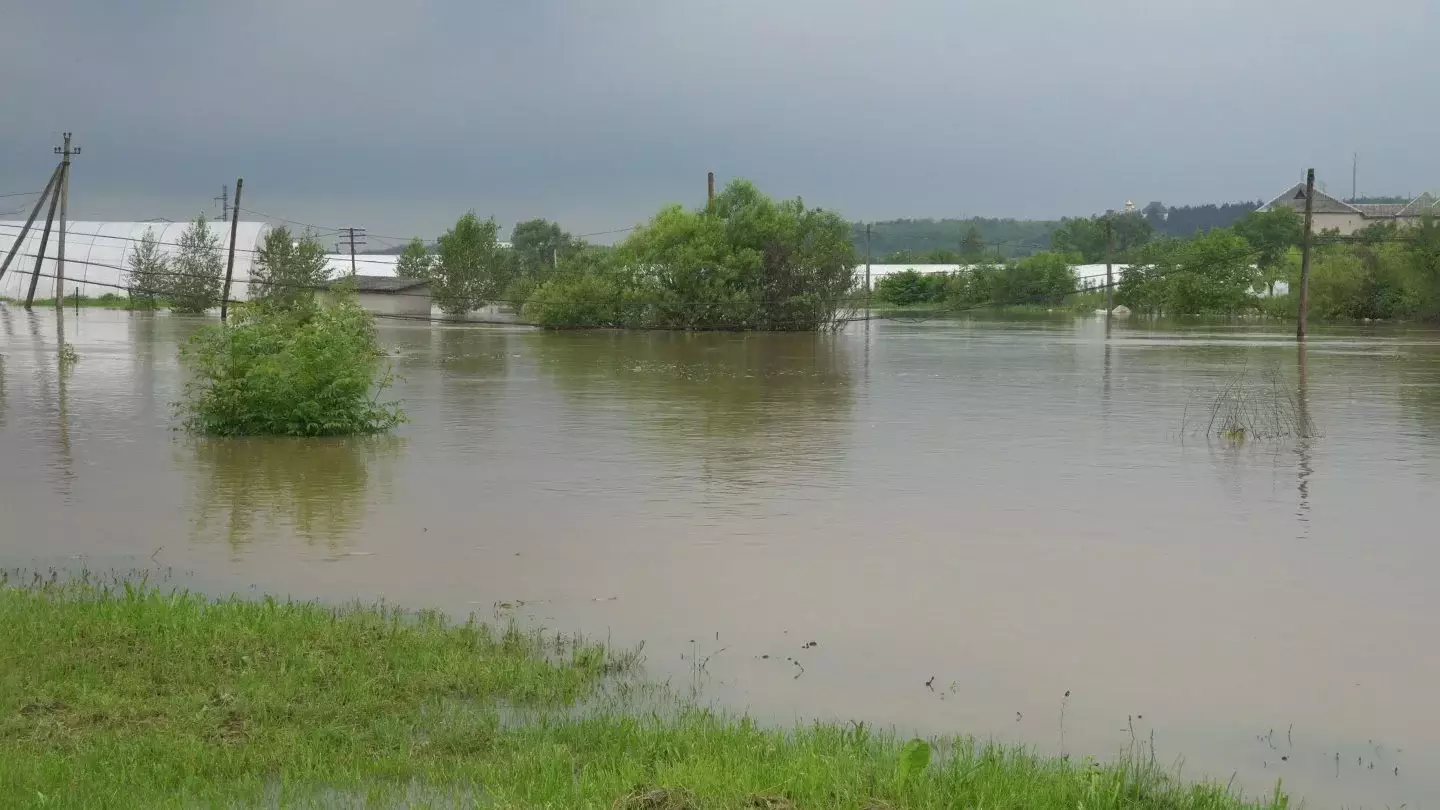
1006 506
749 407
320 490
1304 466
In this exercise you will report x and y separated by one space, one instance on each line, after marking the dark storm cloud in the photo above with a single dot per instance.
401 115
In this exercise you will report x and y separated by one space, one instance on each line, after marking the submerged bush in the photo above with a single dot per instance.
745 262
311 371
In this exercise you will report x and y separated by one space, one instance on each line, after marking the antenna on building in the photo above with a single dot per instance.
224 199
1354 174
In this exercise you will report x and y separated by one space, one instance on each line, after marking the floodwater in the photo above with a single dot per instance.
1005 510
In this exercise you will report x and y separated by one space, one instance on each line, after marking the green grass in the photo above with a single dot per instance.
106 301
126 696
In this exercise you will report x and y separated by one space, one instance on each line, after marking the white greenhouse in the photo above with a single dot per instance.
97 255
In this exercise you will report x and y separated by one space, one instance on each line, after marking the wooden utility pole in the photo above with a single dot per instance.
867 269
709 190
44 241
230 261
1109 262
65 151
1303 328
353 237
25 229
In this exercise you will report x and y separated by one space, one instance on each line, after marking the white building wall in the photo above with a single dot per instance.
414 303
97 254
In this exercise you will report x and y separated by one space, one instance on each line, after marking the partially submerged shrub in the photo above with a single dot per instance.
311 371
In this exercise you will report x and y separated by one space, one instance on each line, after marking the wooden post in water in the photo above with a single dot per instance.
44 242
230 262
65 152
1304 327
867 270
25 229
1109 261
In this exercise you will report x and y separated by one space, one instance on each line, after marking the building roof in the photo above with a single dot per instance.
1294 197
1424 204
380 284
1325 204
1379 209
97 254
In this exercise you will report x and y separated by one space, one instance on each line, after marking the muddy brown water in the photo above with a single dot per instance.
1008 510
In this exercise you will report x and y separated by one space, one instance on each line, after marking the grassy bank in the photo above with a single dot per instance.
129 697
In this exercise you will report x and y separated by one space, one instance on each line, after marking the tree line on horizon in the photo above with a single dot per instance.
749 262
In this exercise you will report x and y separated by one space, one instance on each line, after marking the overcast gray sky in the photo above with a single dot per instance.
399 116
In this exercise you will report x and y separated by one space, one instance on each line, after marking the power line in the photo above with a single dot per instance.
177 244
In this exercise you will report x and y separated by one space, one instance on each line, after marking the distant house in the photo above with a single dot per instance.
390 295
1330 213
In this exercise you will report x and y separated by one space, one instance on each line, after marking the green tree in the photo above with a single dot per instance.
149 273
315 371
470 269
197 272
1271 234
540 243
745 262
903 289
972 247
287 271
1044 278
1212 273
415 261
1087 237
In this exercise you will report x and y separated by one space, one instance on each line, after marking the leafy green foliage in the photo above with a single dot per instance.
288 271
589 289
914 759
471 269
1376 280
972 247
910 287
1271 234
746 262
197 271
149 273
415 261
310 371
540 243
907 239
540 247
1087 236
1044 278
1212 273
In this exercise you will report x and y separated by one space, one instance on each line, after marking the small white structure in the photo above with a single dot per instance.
390 295
1087 276
97 254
